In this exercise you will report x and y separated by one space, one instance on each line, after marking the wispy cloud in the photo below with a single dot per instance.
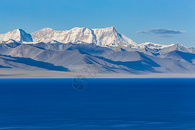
162 32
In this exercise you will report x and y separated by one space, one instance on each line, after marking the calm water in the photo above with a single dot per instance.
140 104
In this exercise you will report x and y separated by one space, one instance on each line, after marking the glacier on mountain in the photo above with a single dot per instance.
101 37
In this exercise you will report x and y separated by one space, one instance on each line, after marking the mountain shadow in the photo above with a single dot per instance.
34 63
141 65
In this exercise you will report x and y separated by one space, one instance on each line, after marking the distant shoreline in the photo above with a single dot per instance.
58 74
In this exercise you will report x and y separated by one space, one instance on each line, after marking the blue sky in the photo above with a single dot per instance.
140 20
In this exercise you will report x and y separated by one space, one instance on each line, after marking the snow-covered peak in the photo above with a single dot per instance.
17 35
152 45
110 37
103 37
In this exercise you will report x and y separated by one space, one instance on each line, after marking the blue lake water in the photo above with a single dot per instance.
119 104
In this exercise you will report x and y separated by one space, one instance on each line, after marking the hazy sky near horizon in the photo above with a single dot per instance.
158 21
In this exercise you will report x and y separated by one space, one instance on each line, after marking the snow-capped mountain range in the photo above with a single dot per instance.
88 50
101 37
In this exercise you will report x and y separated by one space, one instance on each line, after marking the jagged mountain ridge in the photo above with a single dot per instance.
101 37
94 51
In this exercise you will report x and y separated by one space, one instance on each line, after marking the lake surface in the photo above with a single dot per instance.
119 104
